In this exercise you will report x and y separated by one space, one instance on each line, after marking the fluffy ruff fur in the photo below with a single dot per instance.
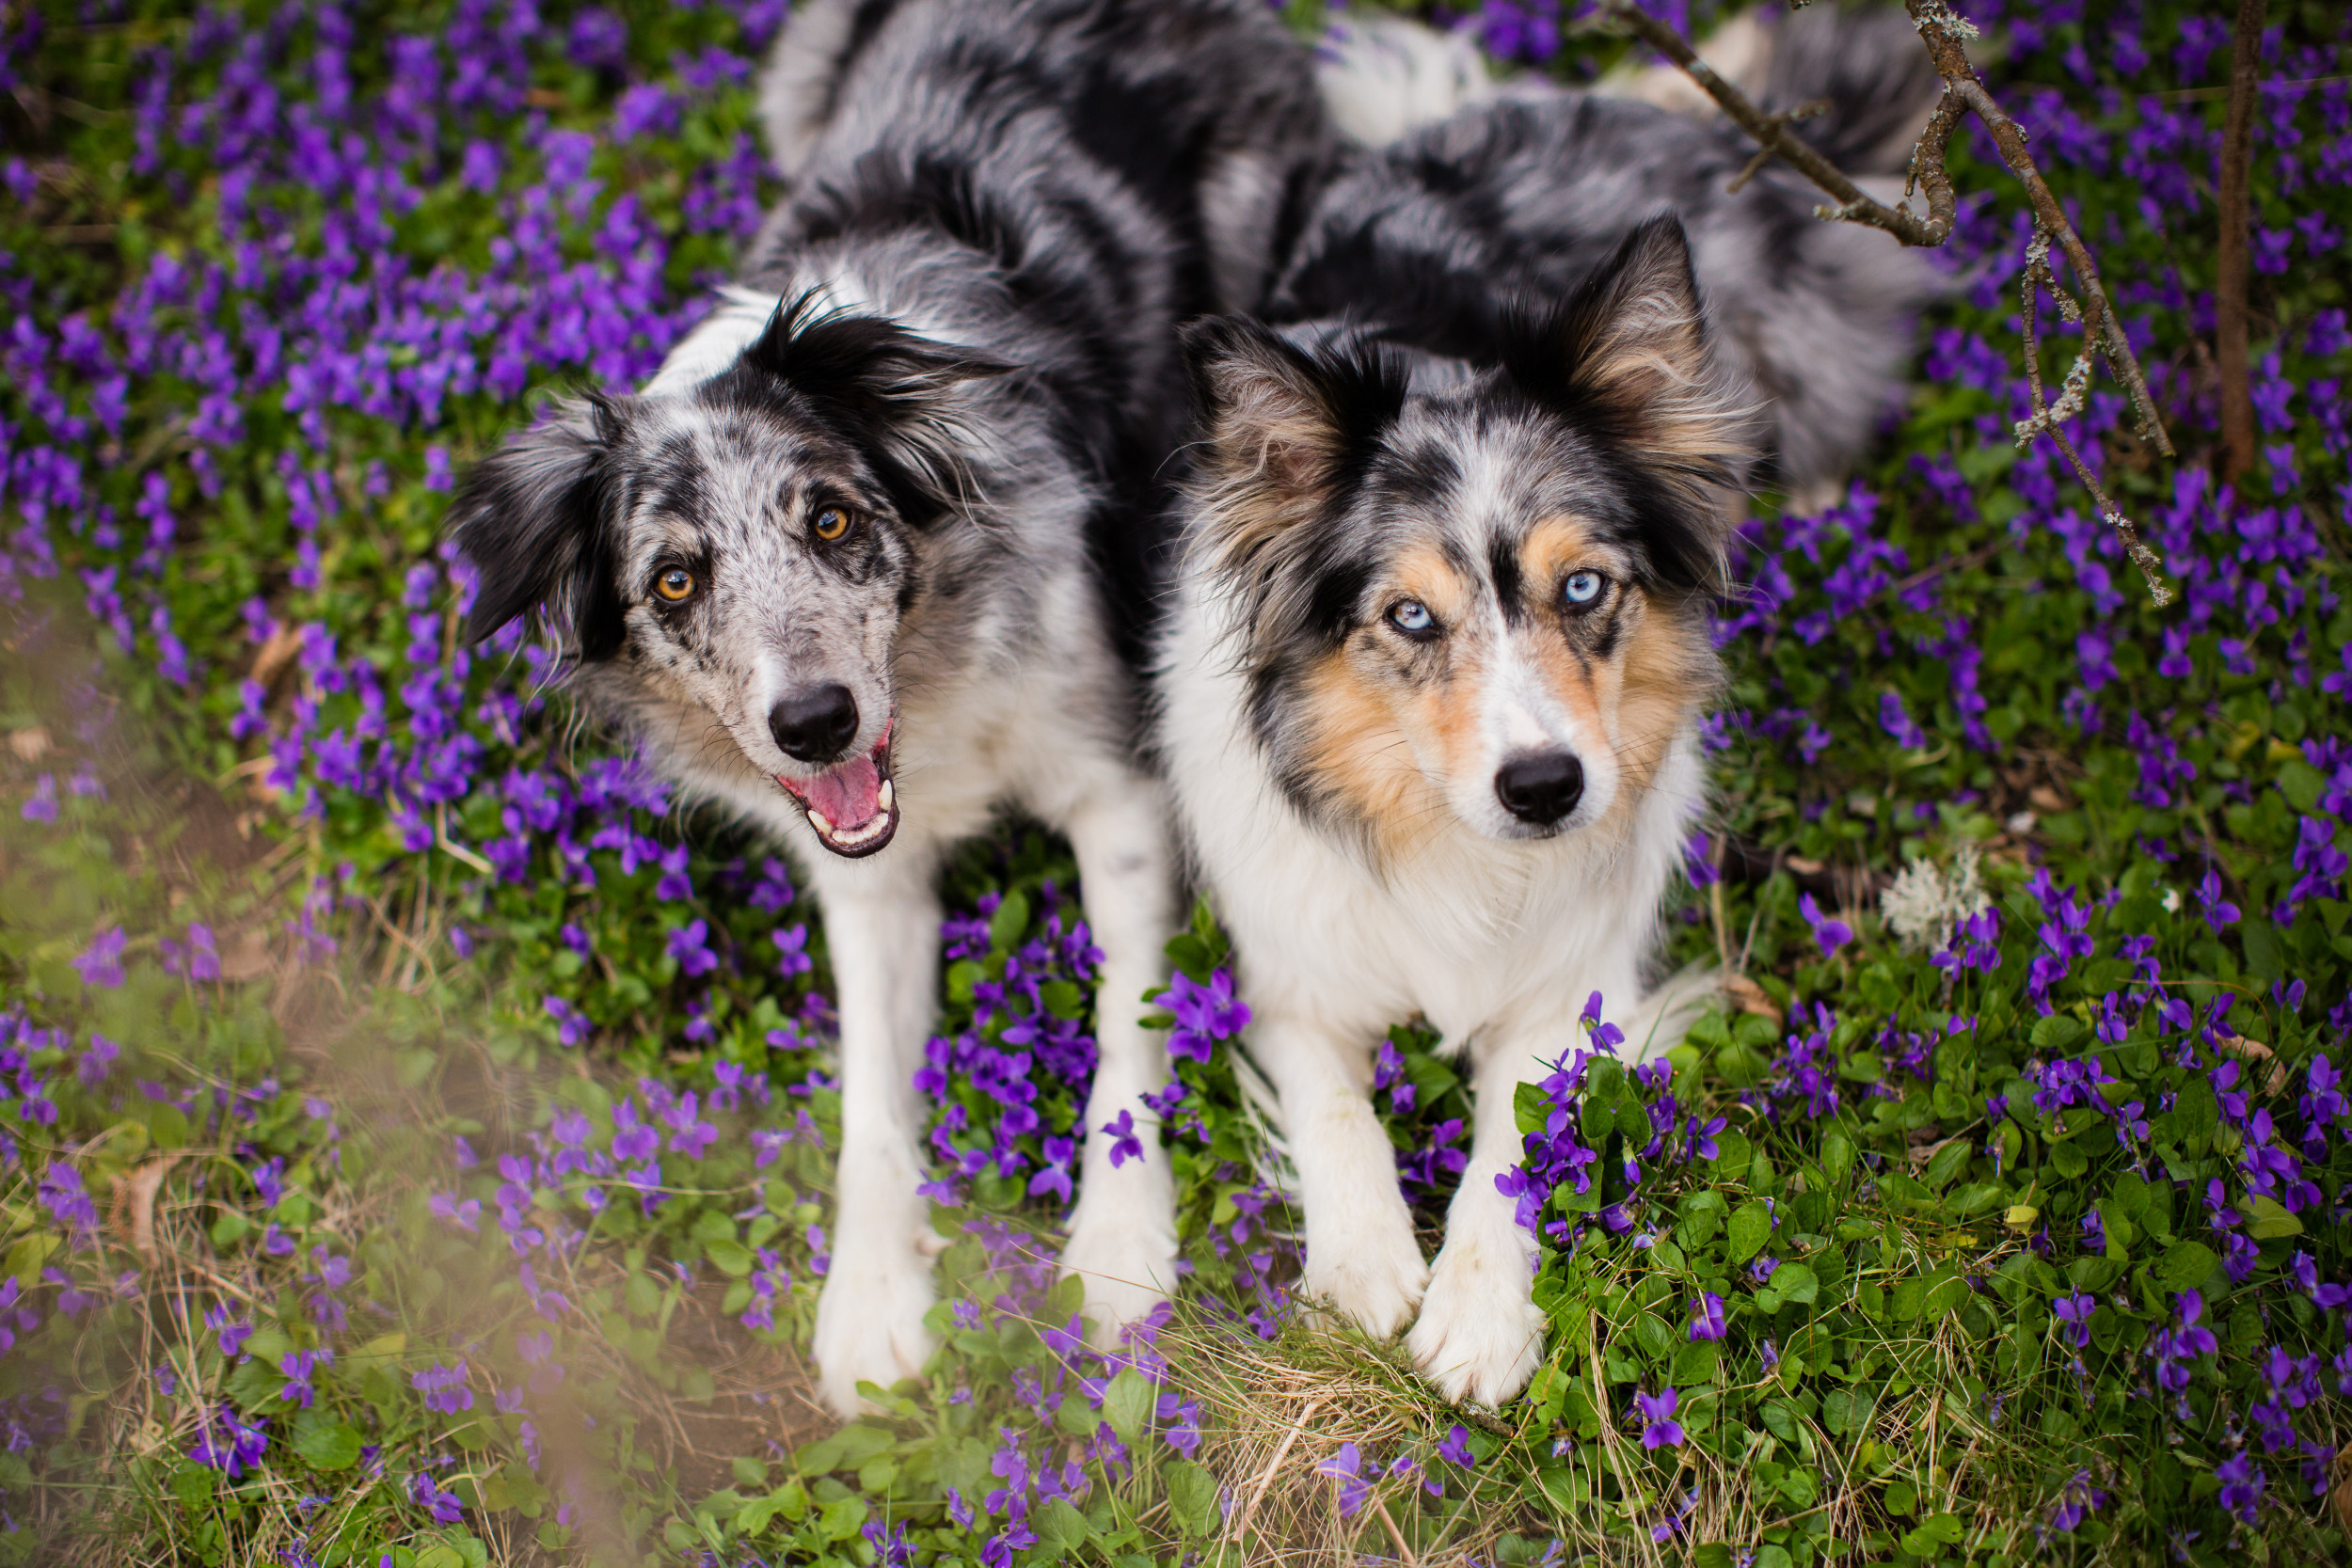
1430 697
1473 195
860 563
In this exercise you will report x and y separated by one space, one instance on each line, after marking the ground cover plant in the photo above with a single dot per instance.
415 1148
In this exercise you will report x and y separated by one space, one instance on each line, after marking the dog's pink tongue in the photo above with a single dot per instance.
848 795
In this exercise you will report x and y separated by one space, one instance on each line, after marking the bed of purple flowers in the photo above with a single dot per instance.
415 1148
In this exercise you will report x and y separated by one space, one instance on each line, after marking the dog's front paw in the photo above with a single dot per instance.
1480 1337
1126 1276
1372 1271
1126 1254
870 1325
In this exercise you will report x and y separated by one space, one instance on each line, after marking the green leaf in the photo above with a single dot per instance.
329 1447
1795 1282
1751 1227
1837 1154
1193 1498
841 1518
230 1228
1713 1555
2267 1219
1698 1362
1947 1293
1733 1155
1060 1528
1935 1532
1077 1417
2056 1032
2301 784
1005 928
1901 1498
846 1450
2186 1265
733 1258
194 1487
1192 956
753 1517
24 1259
1128 1403
1948 1163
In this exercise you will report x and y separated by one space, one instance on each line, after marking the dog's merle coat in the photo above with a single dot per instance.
1431 692
1433 238
860 562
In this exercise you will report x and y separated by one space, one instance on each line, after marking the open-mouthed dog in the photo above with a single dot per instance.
861 562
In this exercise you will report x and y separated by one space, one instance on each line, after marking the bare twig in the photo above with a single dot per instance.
2048 418
1945 34
2228 295
1771 133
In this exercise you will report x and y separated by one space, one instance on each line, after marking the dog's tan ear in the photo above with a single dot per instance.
1627 357
1282 426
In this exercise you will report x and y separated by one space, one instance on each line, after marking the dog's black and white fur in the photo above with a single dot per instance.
858 563
1431 692
1486 193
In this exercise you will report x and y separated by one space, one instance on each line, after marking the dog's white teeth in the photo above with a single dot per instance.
887 797
819 821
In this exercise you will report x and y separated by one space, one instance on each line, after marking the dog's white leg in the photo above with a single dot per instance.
1362 1256
1122 1236
882 926
1479 1336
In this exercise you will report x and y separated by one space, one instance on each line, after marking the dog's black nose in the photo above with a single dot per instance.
1541 788
814 725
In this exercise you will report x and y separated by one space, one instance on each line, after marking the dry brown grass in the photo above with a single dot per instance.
1273 1413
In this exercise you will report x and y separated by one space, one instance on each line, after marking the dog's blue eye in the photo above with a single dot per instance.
1412 617
1583 587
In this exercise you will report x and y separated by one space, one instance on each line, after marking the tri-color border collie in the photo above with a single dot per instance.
1431 694
861 562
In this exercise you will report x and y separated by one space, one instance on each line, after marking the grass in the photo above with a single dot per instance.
355 1207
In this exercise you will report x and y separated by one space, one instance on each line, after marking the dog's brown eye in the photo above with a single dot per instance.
831 524
676 585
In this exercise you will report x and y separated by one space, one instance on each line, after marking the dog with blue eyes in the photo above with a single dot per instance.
1431 695
1430 713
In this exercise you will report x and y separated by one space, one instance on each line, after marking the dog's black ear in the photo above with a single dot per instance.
533 519
1287 427
895 391
1626 358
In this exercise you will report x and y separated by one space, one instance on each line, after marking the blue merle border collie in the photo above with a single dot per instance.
867 560
1430 694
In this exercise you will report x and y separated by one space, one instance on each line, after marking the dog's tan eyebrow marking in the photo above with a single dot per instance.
1428 573
1556 547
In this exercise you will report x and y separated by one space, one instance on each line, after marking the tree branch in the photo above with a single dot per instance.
2236 203
1944 33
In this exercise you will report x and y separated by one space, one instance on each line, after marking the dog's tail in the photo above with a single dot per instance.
1868 64
1865 60
1384 78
